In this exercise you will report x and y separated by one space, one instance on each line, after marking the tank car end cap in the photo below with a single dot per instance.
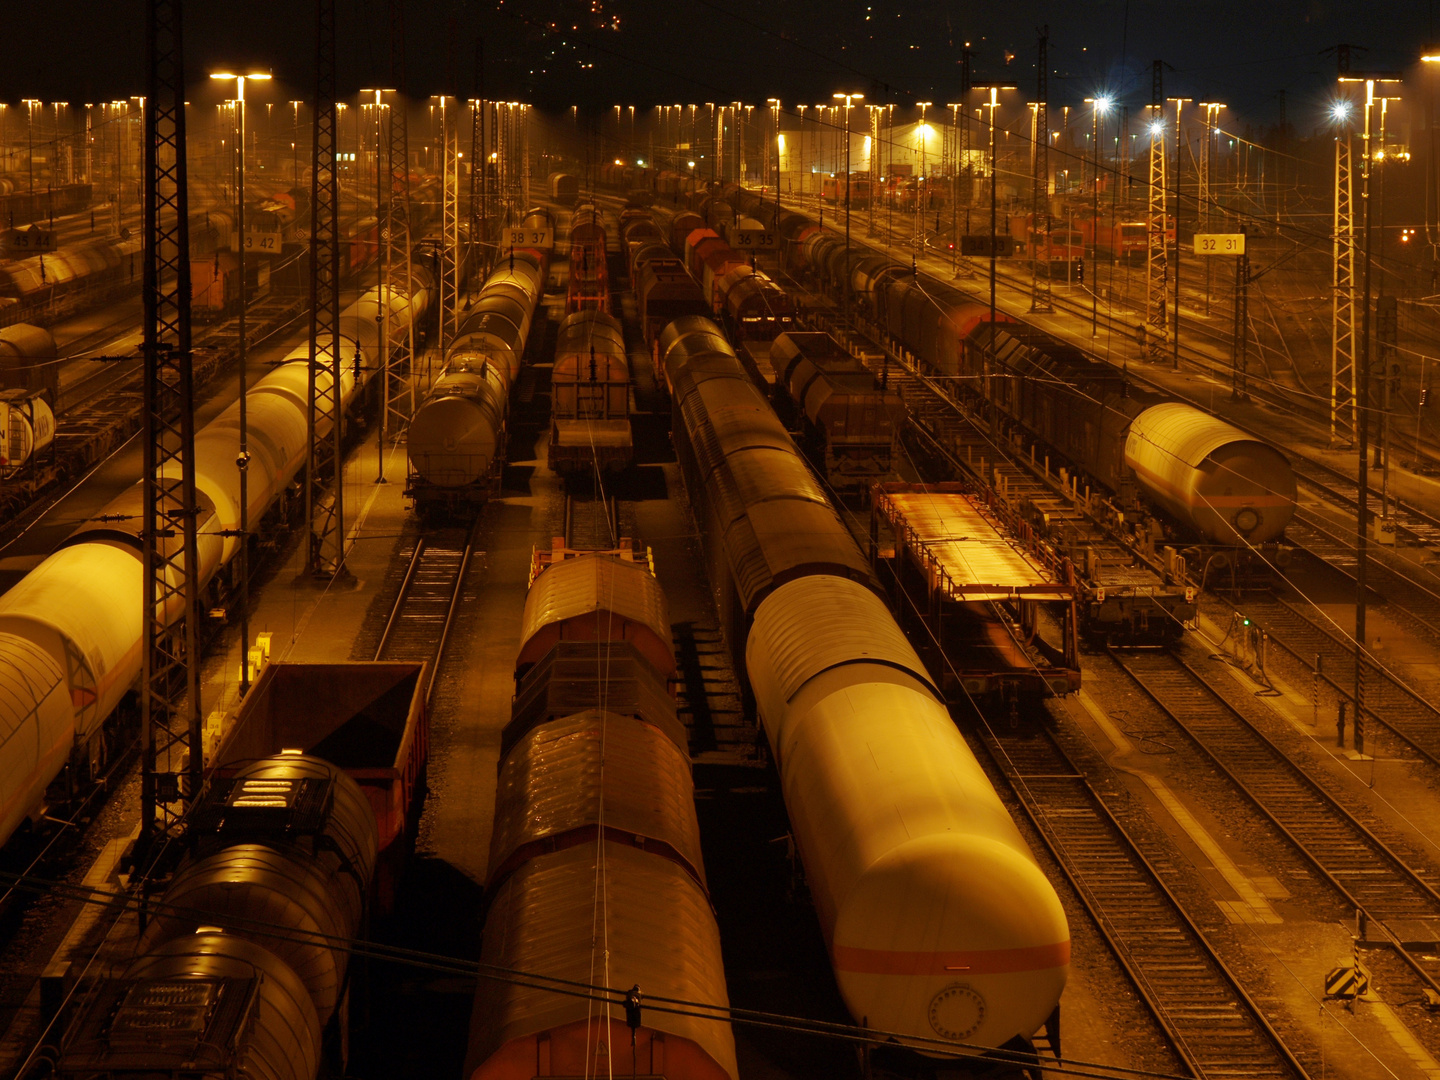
952 937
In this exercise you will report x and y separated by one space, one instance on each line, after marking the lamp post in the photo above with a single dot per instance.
774 104
848 99
1098 107
382 315
294 141
802 109
242 459
993 104
919 212
1203 199
30 104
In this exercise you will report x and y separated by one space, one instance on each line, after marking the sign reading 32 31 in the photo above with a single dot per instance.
1220 243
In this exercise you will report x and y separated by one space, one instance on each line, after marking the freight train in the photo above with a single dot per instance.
86 272
664 289
589 288
590 397
250 941
1220 485
70 630
594 784
18 207
939 923
456 440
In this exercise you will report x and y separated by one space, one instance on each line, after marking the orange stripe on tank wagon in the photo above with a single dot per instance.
975 962
1258 500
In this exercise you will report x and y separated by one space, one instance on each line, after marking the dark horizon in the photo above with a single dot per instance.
1259 59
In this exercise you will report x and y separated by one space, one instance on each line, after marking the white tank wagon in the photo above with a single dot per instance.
29 360
27 426
70 630
456 439
1230 486
940 925
938 920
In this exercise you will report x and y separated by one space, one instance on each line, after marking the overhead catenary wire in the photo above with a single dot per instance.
129 903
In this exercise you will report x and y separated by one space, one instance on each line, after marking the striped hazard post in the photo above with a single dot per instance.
1347 982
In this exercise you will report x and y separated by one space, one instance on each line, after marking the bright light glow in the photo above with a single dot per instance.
781 140
1340 110
924 131
1102 104
692 164
1157 128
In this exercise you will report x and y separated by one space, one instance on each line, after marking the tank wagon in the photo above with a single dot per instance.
590 397
848 421
939 927
70 630
28 361
456 440
27 427
1220 485
589 288
289 840
595 675
564 188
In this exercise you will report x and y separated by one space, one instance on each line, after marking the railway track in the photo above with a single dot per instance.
1213 1025
424 610
1411 721
1364 869
592 523
1416 595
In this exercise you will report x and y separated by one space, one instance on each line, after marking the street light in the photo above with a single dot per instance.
849 99
242 460
1098 107
30 104
921 131
294 142
774 104
382 249
992 104
1362 419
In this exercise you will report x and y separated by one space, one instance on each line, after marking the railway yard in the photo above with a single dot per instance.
556 618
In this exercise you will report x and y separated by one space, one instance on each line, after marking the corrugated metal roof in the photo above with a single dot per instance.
553 781
590 584
660 934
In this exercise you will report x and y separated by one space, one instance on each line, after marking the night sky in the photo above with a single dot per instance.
644 52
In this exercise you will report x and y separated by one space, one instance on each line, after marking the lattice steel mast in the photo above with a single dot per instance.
1155 262
172 760
449 219
1342 322
325 510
